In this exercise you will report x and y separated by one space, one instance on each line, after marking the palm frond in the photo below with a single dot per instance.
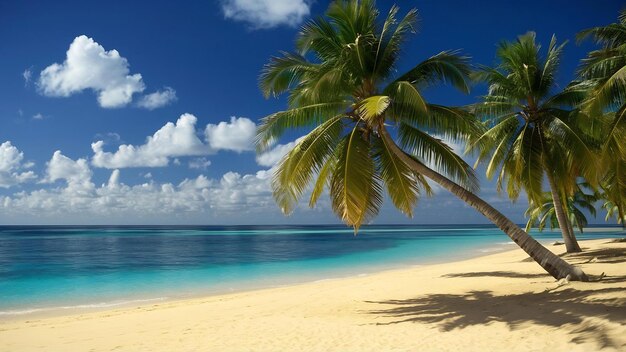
296 169
450 122
371 108
356 194
445 67
438 155
550 66
274 125
323 178
407 100
281 73
389 48
493 106
400 180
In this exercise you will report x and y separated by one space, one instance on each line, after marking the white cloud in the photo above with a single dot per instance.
171 140
75 173
232 194
267 13
27 75
199 163
11 166
38 116
238 135
157 99
178 140
89 66
114 179
274 155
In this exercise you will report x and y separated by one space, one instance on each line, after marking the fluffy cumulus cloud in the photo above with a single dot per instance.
179 139
12 166
172 140
236 135
78 198
89 66
60 167
157 99
267 13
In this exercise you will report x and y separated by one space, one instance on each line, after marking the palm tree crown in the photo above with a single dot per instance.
339 80
604 73
533 132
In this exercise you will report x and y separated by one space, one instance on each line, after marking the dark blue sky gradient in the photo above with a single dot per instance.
213 64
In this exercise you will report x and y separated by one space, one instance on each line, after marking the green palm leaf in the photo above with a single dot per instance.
402 186
282 72
433 151
356 195
445 67
297 168
274 125
369 109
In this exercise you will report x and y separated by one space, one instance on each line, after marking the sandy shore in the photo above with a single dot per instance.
492 303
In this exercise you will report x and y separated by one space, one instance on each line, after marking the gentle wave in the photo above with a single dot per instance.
81 306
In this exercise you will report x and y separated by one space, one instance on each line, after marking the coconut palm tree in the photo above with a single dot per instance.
604 71
613 211
533 132
340 84
543 214
613 167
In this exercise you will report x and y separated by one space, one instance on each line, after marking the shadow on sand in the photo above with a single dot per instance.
604 255
510 274
551 309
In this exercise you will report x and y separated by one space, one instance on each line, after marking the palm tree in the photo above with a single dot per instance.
612 210
533 132
613 167
339 83
544 214
604 71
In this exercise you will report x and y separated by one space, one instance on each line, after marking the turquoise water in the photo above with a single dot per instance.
47 268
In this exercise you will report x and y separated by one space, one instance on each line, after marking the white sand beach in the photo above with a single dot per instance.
493 303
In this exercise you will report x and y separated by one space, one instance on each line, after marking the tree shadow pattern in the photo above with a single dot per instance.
509 274
603 255
552 309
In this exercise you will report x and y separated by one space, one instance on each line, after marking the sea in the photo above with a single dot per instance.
75 268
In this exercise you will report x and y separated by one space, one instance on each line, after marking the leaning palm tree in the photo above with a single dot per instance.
543 214
532 131
340 84
604 71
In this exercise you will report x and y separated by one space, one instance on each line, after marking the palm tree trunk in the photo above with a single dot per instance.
550 262
571 245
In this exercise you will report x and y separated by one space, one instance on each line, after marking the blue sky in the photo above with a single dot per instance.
70 119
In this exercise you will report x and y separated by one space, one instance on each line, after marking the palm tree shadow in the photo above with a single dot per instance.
510 274
552 309
603 255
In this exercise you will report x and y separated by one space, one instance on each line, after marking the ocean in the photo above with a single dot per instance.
81 267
